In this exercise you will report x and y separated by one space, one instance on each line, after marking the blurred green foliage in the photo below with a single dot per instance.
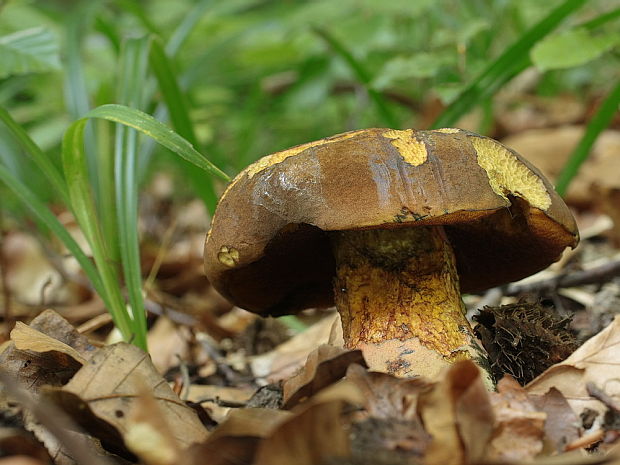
239 79
258 78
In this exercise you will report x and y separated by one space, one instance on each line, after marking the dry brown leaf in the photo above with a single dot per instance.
324 366
167 344
26 338
234 442
250 422
386 396
148 433
597 361
31 277
21 460
54 325
561 424
217 399
101 395
16 441
287 358
457 413
519 429
315 433
40 359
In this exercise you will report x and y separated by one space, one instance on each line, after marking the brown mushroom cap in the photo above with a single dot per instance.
268 249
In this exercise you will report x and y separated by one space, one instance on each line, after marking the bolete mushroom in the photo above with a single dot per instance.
391 226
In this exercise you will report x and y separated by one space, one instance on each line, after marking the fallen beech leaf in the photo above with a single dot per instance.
457 414
218 399
561 424
21 460
101 395
235 440
385 396
324 366
597 361
167 344
519 429
26 338
54 325
315 433
16 441
148 433
31 278
287 358
250 422
36 359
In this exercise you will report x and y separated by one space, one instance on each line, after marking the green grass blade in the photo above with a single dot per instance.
74 164
602 19
510 63
28 51
597 124
36 154
132 75
76 91
165 136
362 75
45 216
186 26
178 110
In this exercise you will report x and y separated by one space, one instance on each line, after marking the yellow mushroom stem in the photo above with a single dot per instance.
397 291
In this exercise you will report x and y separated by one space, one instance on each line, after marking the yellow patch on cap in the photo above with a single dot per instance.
448 130
509 175
228 256
411 149
279 157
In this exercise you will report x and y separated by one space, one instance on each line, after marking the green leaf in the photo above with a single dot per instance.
421 65
511 62
178 108
36 154
571 48
161 133
132 75
29 51
362 75
83 207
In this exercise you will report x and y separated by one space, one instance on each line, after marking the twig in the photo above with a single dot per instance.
222 402
596 274
585 441
220 362
55 420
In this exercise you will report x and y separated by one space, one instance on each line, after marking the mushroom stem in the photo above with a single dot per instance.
397 291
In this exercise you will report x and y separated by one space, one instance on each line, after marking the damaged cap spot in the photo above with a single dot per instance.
411 149
228 256
508 175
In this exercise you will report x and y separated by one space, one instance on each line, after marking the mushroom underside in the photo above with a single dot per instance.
297 267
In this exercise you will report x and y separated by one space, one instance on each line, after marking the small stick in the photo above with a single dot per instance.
585 441
222 402
596 274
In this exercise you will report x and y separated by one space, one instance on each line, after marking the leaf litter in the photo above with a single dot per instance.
335 409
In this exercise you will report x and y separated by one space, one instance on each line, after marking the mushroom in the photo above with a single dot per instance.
391 226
